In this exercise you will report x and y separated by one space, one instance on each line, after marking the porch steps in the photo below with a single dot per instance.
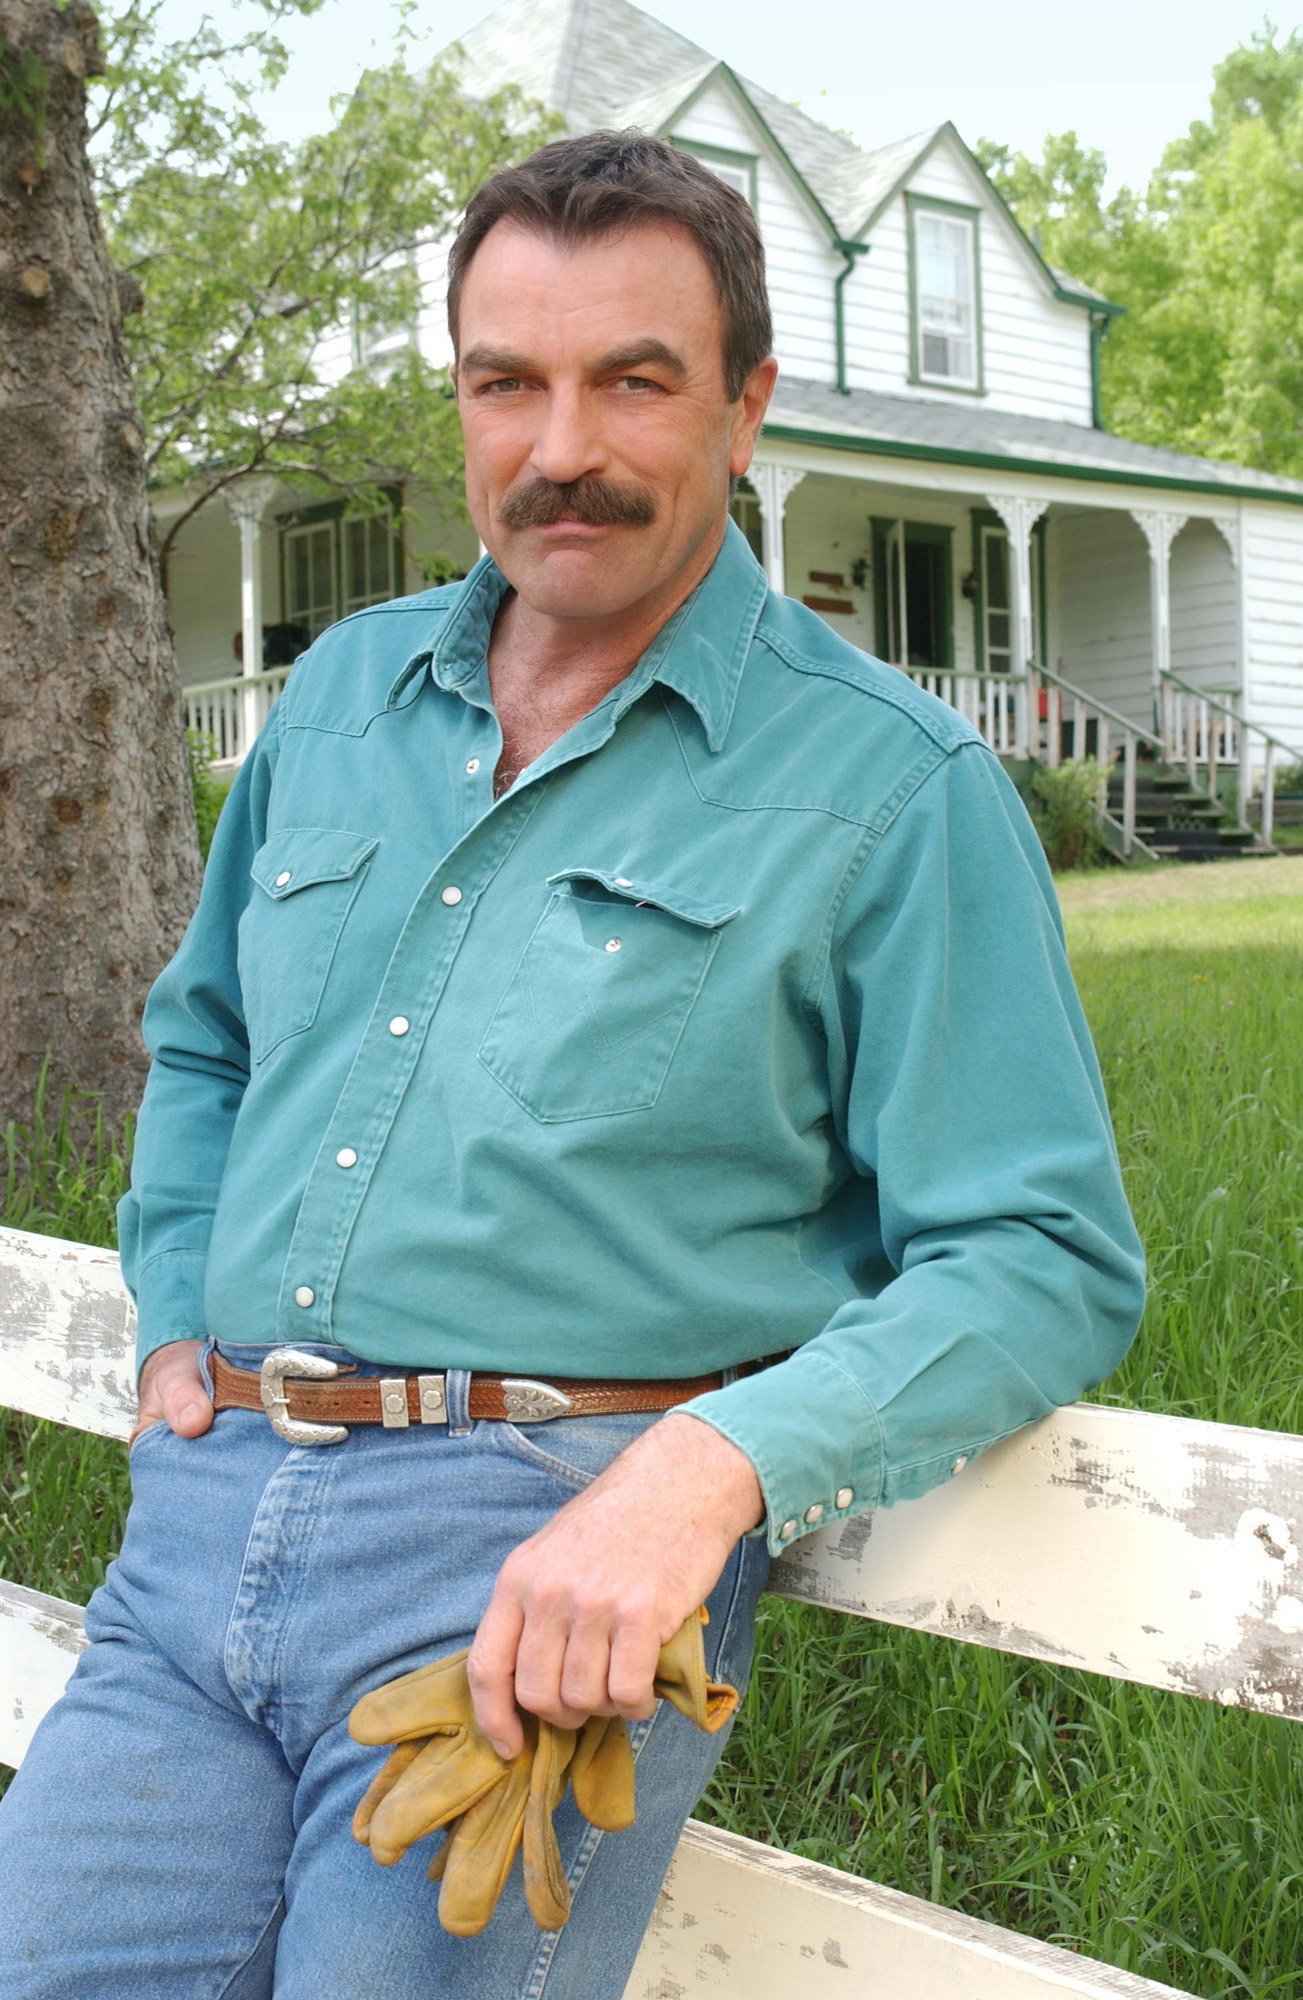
1182 824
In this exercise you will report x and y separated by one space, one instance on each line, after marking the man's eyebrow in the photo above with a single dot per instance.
483 360
623 360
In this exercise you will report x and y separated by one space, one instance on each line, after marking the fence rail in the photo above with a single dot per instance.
232 710
1206 734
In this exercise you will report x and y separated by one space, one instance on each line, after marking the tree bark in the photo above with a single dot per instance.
99 855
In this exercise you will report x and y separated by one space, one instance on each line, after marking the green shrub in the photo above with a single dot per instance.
1063 812
209 791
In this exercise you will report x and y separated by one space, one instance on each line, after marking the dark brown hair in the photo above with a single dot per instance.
603 182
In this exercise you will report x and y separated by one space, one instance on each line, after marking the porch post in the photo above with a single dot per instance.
1020 516
1160 530
773 485
247 503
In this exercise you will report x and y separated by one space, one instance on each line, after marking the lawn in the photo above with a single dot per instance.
1154 1831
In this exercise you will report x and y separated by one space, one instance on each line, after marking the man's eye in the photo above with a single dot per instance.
500 383
636 382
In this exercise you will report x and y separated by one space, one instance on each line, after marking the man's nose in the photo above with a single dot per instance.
567 443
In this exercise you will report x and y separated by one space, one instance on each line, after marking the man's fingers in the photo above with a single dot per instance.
634 1653
542 1658
491 1672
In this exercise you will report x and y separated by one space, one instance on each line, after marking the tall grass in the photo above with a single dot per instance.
1157 1832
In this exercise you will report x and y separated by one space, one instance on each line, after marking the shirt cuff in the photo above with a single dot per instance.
808 1476
169 1297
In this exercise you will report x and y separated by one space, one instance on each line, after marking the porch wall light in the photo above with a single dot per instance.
969 585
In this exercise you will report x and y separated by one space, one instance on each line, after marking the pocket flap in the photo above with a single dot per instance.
297 856
679 902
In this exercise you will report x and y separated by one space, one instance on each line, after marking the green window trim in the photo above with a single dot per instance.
937 535
986 517
916 204
725 156
334 513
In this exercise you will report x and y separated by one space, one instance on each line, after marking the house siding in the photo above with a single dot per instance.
1036 347
800 261
1099 612
1273 560
1205 609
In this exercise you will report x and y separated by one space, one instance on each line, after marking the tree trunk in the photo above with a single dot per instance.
99 856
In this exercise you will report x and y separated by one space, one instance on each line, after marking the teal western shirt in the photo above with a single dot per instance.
740 1024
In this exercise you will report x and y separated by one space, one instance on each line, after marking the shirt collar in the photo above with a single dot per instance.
700 652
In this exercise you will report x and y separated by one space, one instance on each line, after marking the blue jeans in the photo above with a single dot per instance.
180 1829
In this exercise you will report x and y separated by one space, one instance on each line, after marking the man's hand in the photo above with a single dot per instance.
172 1390
581 1610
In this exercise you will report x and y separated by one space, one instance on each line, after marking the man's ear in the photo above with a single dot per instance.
749 413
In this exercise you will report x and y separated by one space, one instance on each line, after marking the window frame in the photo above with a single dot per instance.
725 156
332 513
1038 556
915 205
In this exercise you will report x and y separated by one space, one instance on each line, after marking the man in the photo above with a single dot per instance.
604 972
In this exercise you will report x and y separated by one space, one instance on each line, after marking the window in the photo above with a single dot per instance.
745 509
993 606
331 565
945 294
374 338
738 169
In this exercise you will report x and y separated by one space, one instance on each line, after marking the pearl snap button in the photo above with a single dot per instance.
613 944
787 1530
283 878
814 1512
305 1296
346 1157
623 882
845 1494
450 895
473 766
958 1465
399 1025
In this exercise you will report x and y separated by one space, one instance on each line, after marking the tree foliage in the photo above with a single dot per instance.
1208 261
249 256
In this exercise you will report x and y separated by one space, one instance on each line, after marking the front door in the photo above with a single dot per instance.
911 597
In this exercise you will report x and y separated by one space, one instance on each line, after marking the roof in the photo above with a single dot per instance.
607 63
913 427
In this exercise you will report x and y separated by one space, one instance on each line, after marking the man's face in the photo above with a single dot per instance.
590 384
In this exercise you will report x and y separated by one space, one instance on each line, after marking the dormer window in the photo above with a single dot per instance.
737 169
945 294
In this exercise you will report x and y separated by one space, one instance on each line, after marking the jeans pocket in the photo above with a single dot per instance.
574 1449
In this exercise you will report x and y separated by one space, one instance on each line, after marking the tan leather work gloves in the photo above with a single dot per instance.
444 1773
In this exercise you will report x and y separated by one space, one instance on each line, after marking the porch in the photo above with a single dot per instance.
1060 627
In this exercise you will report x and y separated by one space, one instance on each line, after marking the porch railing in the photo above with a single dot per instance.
1206 734
993 703
1046 718
233 710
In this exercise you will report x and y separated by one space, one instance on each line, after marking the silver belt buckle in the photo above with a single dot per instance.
530 1402
281 1364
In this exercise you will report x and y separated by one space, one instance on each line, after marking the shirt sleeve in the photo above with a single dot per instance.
966 1092
193 1026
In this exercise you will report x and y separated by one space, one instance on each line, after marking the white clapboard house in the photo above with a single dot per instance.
934 479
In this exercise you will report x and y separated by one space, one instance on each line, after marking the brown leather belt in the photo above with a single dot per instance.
307 1401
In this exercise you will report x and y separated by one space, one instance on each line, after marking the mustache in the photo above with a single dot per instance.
600 503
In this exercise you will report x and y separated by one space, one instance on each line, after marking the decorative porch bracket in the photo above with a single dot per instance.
1160 529
774 485
1020 516
247 504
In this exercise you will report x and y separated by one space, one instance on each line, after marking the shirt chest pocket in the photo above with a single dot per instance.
306 878
600 998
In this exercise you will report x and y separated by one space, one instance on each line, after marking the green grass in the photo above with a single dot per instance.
1157 1832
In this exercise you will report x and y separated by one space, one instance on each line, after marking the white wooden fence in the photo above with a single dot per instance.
232 710
1155 1549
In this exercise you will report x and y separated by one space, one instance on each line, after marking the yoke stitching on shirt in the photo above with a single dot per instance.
736 806
828 670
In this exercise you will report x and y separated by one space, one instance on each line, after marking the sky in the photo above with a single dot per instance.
1126 75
